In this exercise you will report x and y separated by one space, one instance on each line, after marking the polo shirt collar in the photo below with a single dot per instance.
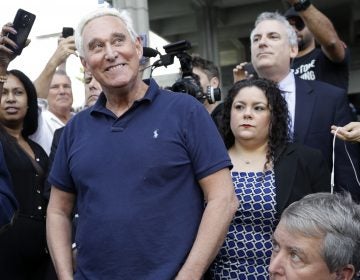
151 93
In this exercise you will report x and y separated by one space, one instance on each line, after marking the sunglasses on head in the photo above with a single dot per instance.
297 22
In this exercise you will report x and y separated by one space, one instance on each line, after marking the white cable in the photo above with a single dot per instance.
352 164
333 163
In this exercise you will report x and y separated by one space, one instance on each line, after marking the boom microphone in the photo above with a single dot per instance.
149 52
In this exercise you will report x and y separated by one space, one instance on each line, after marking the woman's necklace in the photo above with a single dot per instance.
245 161
252 161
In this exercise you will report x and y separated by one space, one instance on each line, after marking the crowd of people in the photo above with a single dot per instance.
144 183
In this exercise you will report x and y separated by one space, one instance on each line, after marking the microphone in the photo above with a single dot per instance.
149 52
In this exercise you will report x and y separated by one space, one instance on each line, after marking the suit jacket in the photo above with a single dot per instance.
299 170
318 106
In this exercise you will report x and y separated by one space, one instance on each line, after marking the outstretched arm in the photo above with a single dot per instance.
221 206
65 48
324 32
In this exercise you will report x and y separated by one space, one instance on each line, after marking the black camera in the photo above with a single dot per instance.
189 82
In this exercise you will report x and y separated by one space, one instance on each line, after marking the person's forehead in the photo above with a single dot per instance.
270 26
13 81
106 20
60 78
308 244
198 71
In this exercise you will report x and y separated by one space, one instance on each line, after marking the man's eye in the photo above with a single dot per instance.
294 257
118 41
276 247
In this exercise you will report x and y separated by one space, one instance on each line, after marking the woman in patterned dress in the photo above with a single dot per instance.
269 173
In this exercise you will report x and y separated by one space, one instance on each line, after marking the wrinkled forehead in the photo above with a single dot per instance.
60 78
104 24
269 26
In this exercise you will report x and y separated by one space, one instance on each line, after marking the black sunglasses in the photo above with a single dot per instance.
297 22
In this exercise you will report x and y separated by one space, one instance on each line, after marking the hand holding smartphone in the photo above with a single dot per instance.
22 23
249 68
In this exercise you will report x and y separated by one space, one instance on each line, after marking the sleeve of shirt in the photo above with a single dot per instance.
60 175
204 143
8 203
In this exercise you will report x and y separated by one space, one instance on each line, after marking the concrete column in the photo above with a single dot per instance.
139 12
208 42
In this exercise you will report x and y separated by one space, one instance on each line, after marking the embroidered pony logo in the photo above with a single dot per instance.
156 133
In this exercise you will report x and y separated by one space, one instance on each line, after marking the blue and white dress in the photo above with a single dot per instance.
246 251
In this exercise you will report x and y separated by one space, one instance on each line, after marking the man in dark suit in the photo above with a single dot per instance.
313 106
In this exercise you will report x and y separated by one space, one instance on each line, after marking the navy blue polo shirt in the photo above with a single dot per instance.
136 179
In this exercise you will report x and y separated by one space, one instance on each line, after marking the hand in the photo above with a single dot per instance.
66 47
239 72
349 132
6 54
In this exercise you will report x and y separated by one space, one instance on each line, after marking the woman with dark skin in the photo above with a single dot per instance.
23 253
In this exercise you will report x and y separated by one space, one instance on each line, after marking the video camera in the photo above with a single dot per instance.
189 82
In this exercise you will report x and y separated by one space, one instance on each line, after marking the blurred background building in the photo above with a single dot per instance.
219 29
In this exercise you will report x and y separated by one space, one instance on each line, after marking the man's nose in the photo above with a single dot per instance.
262 41
276 264
110 52
62 90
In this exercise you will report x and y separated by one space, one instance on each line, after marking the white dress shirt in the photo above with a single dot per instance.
287 85
47 124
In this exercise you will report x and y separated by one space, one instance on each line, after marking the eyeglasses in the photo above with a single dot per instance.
297 22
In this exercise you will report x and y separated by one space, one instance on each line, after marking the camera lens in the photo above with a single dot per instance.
25 20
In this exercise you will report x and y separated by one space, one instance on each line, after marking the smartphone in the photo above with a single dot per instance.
22 23
249 68
67 31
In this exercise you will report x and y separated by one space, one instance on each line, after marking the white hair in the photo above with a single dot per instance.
123 15
280 18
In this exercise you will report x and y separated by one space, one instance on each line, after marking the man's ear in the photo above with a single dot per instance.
83 62
214 82
346 273
139 47
294 50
